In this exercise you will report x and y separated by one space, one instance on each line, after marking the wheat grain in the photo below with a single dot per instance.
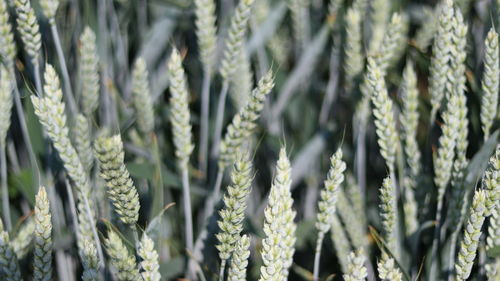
42 260
121 188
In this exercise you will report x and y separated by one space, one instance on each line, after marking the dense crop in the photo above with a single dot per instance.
268 140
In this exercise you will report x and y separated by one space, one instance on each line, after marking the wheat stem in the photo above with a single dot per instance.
219 120
204 122
187 209
64 69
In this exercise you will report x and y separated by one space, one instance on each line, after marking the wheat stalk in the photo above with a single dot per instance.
5 115
42 260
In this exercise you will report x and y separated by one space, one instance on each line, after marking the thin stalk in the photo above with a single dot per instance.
317 255
64 69
210 203
24 130
94 231
205 110
136 236
187 209
331 88
451 257
38 79
361 157
220 118
72 206
5 191
222 268
435 241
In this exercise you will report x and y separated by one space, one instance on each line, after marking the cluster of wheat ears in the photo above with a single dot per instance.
97 176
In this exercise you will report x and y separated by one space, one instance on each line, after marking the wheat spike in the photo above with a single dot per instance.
245 121
149 264
236 38
8 260
90 261
142 97
27 25
82 140
89 72
51 114
49 8
356 270
42 260
239 261
472 233
7 45
121 188
206 32
121 259
490 83
179 115
233 213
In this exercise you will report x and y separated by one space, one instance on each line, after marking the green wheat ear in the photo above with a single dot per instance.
42 260
121 259
356 270
149 264
142 97
121 188
8 259
490 83
27 25
7 45
89 72
233 213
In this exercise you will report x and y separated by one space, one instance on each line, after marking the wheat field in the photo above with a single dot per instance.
269 140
